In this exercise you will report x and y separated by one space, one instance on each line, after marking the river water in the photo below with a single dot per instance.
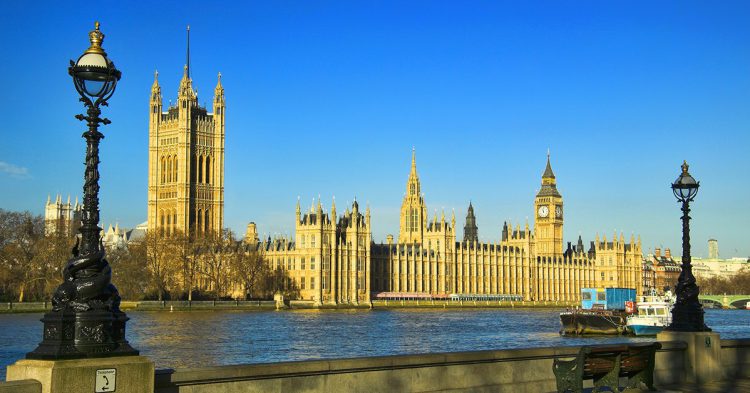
211 338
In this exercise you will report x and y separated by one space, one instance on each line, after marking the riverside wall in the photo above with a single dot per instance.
514 370
251 305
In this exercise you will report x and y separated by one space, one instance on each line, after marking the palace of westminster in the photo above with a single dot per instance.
332 257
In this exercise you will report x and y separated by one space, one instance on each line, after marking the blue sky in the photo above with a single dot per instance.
328 98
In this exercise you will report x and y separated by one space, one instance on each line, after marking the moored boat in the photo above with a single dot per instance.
603 311
654 314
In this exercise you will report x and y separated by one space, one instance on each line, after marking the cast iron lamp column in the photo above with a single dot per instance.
86 320
687 314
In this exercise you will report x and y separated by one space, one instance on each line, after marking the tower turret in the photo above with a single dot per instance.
470 229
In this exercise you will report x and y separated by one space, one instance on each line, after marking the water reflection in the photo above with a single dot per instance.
210 338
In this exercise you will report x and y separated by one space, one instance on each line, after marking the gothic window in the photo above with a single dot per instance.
174 176
207 220
208 170
289 264
169 223
174 220
163 169
200 221
412 188
323 282
200 169
312 263
303 240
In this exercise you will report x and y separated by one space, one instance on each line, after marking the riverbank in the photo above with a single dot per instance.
263 305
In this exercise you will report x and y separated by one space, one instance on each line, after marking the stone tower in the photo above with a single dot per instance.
548 216
62 217
413 222
186 161
470 229
713 249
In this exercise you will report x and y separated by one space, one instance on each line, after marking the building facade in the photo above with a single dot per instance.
62 217
333 259
186 161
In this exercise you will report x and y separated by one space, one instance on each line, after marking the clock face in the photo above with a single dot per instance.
558 211
543 211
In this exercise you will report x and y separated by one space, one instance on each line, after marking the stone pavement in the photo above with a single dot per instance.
741 385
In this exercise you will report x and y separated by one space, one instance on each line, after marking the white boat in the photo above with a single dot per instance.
654 313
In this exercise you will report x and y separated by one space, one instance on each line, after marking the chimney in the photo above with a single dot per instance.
657 252
667 254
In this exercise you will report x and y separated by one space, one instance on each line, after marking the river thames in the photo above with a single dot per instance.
211 338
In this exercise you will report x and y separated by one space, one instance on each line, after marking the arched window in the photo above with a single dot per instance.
207 221
200 169
161 221
413 188
174 176
174 220
208 169
199 224
169 224
169 169
163 169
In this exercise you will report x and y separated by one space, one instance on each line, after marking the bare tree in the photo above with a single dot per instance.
248 268
160 261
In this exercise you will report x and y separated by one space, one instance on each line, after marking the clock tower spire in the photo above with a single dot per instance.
548 215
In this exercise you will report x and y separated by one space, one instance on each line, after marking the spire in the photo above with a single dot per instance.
187 57
333 209
548 174
298 210
549 187
155 87
413 160
48 199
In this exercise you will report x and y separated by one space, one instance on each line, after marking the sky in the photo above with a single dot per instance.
328 98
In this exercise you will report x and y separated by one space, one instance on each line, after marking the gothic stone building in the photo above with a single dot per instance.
186 162
332 259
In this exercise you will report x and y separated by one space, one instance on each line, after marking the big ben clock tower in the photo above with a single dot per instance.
548 216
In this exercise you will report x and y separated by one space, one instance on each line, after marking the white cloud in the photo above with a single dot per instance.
18 172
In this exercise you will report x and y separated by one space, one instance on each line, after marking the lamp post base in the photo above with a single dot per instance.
87 334
688 318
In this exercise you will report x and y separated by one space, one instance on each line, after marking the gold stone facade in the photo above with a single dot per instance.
186 162
333 260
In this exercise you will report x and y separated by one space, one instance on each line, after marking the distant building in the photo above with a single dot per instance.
649 276
62 217
332 259
713 266
666 271
713 249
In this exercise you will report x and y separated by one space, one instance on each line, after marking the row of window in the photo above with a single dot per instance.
168 221
201 169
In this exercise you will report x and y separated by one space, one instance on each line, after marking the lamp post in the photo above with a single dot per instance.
86 320
687 313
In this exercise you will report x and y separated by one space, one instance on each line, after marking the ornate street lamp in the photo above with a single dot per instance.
687 314
86 320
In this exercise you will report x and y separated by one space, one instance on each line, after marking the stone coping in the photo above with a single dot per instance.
736 343
169 377
22 386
